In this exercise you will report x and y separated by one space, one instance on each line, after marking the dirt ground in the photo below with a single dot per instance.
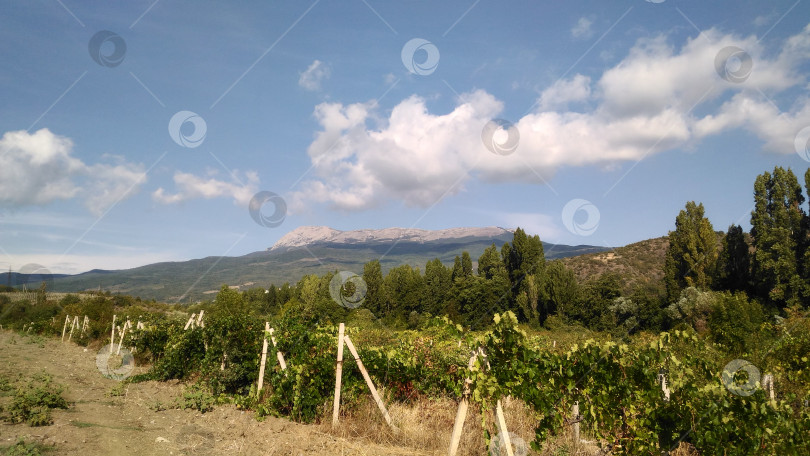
98 424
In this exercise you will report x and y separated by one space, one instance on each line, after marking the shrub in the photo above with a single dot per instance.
33 402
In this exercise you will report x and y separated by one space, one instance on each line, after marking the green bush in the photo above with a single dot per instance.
33 402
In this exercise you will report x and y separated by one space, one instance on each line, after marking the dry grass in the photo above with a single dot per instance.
425 427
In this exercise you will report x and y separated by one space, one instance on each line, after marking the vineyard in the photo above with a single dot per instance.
644 395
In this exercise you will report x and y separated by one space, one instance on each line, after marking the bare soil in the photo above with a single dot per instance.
100 424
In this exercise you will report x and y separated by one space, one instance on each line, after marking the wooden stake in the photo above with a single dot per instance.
85 323
264 359
767 385
73 326
502 430
112 336
279 355
575 417
363 371
224 358
123 331
338 374
189 322
64 328
461 414
200 320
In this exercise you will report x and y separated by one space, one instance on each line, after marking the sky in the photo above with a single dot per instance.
162 130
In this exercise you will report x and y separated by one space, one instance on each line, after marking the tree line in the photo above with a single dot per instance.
706 272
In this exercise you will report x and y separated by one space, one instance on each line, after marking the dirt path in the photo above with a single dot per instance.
98 424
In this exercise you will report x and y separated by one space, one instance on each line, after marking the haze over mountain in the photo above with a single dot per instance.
305 250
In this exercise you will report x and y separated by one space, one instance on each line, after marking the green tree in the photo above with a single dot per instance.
490 263
523 257
561 289
372 275
692 253
734 261
777 229
438 283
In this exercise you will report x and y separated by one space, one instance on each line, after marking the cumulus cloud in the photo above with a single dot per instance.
583 28
39 168
190 186
314 75
646 104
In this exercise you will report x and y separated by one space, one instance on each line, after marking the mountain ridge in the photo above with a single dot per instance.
303 251
309 235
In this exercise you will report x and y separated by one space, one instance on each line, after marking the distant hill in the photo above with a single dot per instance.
638 263
306 250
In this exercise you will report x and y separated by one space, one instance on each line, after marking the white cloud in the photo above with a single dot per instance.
565 91
39 168
314 75
645 104
583 28
191 187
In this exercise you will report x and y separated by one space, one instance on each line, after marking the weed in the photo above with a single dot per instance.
196 397
33 402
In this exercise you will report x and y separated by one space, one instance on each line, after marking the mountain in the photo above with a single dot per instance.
305 250
315 235
638 263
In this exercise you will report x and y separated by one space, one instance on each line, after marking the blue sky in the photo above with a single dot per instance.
625 111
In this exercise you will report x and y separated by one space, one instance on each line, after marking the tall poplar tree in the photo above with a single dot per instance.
692 253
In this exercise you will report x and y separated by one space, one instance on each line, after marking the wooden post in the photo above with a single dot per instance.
123 331
504 432
264 359
112 336
224 358
370 384
73 326
189 322
200 320
64 328
338 374
84 324
575 417
279 356
767 385
461 414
